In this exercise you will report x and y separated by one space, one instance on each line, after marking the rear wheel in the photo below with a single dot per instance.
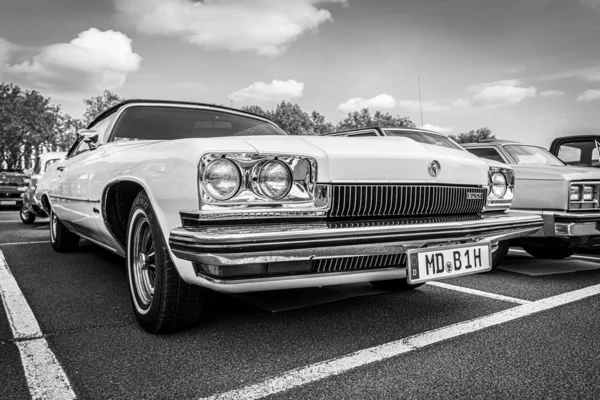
161 300
551 252
62 239
27 217
395 285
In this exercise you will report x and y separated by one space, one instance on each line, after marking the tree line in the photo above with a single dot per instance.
30 124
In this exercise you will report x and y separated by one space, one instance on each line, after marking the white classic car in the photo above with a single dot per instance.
200 197
30 209
568 198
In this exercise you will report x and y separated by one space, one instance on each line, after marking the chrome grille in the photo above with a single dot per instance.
405 200
359 263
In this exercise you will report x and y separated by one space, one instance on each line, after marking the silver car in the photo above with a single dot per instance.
568 198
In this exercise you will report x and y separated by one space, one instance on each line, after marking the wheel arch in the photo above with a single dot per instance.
117 200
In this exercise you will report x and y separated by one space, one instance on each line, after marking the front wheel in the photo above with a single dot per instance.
27 217
395 285
62 239
551 252
161 300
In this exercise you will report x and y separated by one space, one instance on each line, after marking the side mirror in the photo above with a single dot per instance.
89 135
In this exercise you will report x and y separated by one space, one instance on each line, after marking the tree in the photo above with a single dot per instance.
473 136
27 125
319 124
364 119
292 119
94 106
258 111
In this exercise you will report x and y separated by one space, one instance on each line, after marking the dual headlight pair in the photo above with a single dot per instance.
498 184
582 192
222 179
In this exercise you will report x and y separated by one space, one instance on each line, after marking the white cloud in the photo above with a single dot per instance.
589 95
380 102
590 74
260 92
264 26
435 128
595 4
495 94
501 94
93 61
415 106
551 93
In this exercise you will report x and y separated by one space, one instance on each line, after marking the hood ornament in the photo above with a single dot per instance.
434 168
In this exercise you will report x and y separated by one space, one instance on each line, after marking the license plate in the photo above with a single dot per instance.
8 203
447 261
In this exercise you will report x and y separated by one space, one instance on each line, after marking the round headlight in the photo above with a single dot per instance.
275 179
499 184
221 179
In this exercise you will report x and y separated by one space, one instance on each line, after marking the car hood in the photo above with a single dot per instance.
377 159
555 173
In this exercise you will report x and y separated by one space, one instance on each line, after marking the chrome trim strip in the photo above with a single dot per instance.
221 236
54 196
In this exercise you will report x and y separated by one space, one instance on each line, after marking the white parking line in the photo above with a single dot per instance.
574 256
45 376
18 243
478 292
11 221
336 366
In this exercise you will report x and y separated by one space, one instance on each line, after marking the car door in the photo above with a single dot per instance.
71 199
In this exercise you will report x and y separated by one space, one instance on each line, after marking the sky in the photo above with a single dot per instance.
527 69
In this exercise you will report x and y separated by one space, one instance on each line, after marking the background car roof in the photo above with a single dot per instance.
380 128
492 142
155 101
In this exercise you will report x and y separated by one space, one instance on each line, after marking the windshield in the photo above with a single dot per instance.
532 155
424 137
170 123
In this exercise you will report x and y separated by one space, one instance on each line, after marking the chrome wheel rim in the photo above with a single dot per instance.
143 261
24 212
53 226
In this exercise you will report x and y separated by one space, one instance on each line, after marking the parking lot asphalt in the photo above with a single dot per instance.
81 303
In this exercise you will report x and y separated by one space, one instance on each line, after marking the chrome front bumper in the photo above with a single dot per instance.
574 224
241 245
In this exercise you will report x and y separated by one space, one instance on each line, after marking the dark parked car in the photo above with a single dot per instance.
13 183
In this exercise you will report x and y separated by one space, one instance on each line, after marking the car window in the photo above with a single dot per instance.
78 147
170 123
102 125
424 137
580 153
489 153
49 163
532 155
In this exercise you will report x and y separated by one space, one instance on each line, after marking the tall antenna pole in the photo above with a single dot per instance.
420 104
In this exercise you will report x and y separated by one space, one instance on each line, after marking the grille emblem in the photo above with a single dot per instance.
434 168
474 196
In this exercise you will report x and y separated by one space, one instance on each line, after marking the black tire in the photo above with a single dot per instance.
549 252
62 239
161 300
395 285
500 253
27 217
